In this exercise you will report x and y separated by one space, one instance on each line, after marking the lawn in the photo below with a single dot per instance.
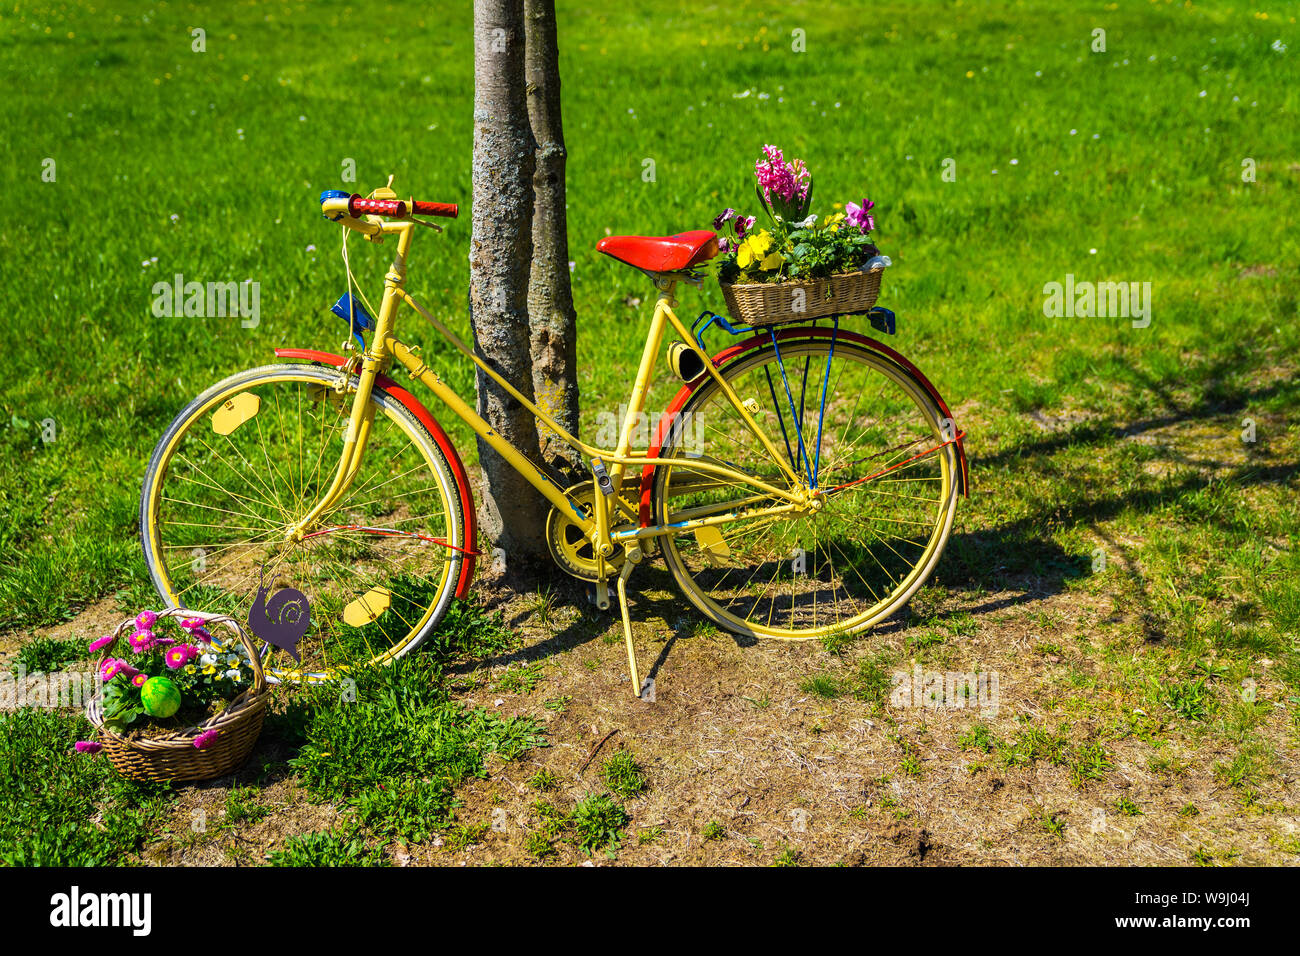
1126 561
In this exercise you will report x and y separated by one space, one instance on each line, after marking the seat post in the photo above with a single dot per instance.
667 285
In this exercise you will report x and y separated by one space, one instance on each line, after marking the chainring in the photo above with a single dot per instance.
569 546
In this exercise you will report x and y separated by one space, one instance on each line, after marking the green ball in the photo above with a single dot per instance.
160 697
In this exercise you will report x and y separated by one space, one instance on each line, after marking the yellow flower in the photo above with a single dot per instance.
753 249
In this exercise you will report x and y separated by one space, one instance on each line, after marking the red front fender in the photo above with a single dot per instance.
731 354
412 404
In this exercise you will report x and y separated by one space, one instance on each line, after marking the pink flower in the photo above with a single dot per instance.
141 641
146 620
857 215
139 680
202 634
192 623
787 180
205 739
109 669
180 655
102 643
88 746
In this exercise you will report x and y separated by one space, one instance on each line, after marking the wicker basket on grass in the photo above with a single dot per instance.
174 757
771 303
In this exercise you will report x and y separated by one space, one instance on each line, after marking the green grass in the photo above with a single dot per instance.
623 775
397 753
1085 436
48 654
598 821
126 108
61 808
326 849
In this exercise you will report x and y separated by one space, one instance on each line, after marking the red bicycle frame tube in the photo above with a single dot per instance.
422 414
730 354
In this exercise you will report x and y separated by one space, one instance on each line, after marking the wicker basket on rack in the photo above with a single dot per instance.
174 757
771 303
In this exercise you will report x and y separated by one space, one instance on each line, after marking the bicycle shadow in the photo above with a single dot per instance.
1017 560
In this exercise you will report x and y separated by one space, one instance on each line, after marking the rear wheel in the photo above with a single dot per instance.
252 456
885 492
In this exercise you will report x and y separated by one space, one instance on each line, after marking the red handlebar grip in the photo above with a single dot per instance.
376 207
445 209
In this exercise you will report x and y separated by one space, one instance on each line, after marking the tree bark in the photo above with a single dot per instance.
514 514
552 319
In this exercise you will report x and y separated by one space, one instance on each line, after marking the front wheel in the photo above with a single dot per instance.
247 460
865 436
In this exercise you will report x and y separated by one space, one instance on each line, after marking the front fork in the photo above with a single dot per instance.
373 362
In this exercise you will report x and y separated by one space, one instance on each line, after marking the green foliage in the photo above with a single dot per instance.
544 781
824 686
61 808
397 752
48 654
979 738
242 806
713 830
327 849
598 822
623 775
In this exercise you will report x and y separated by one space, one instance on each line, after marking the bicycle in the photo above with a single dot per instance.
777 517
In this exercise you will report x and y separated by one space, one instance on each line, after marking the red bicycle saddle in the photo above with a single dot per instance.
662 253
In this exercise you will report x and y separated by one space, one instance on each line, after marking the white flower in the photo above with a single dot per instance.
233 674
208 660
807 223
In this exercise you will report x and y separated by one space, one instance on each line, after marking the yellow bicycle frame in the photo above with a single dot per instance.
385 347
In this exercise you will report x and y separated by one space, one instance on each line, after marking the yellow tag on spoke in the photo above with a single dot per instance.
368 607
711 542
234 412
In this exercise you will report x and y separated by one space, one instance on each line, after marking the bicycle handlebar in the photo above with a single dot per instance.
397 208
337 205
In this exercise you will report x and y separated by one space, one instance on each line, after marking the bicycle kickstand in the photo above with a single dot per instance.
632 558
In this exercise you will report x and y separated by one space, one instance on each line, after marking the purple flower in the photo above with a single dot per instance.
723 217
724 245
743 225
146 620
190 623
202 634
856 215
102 643
88 746
205 739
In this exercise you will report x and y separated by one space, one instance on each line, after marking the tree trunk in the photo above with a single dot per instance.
552 318
514 514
